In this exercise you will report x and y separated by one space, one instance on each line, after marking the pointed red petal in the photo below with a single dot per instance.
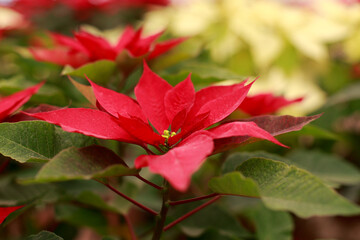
60 56
235 129
178 164
116 103
265 103
89 122
150 93
165 46
5 211
98 47
140 130
21 116
218 102
275 125
126 37
11 103
179 98
68 42
141 46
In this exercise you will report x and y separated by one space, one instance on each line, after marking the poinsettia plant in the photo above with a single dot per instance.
148 138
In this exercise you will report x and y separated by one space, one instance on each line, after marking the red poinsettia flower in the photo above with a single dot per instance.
108 4
10 104
172 119
5 211
32 8
86 47
265 103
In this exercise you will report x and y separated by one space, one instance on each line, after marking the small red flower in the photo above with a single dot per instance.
178 117
265 103
10 104
85 47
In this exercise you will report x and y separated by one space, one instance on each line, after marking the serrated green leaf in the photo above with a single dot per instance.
328 167
44 235
331 169
83 163
284 187
99 71
37 140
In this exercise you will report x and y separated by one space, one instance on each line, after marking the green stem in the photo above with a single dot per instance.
160 219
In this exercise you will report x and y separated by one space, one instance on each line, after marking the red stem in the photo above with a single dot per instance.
173 203
148 182
4 165
170 225
131 200
131 227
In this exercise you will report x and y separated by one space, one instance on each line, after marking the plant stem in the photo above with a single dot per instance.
4 165
191 213
148 182
131 228
131 200
173 203
160 219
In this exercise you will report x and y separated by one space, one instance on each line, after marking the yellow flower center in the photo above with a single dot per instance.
167 134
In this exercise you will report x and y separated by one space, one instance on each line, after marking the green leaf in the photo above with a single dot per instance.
212 234
269 224
211 217
93 199
331 169
235 159
49 94
80 216
44 235
317 132
37 140
328 167
85 90
201 73
284 187
235 184
83 163
14 194
99 71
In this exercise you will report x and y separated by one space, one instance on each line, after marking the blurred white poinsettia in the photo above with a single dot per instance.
287 43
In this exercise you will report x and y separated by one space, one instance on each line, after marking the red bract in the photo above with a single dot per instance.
265 103
11 103
178 117
5 211
86 47
33 7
